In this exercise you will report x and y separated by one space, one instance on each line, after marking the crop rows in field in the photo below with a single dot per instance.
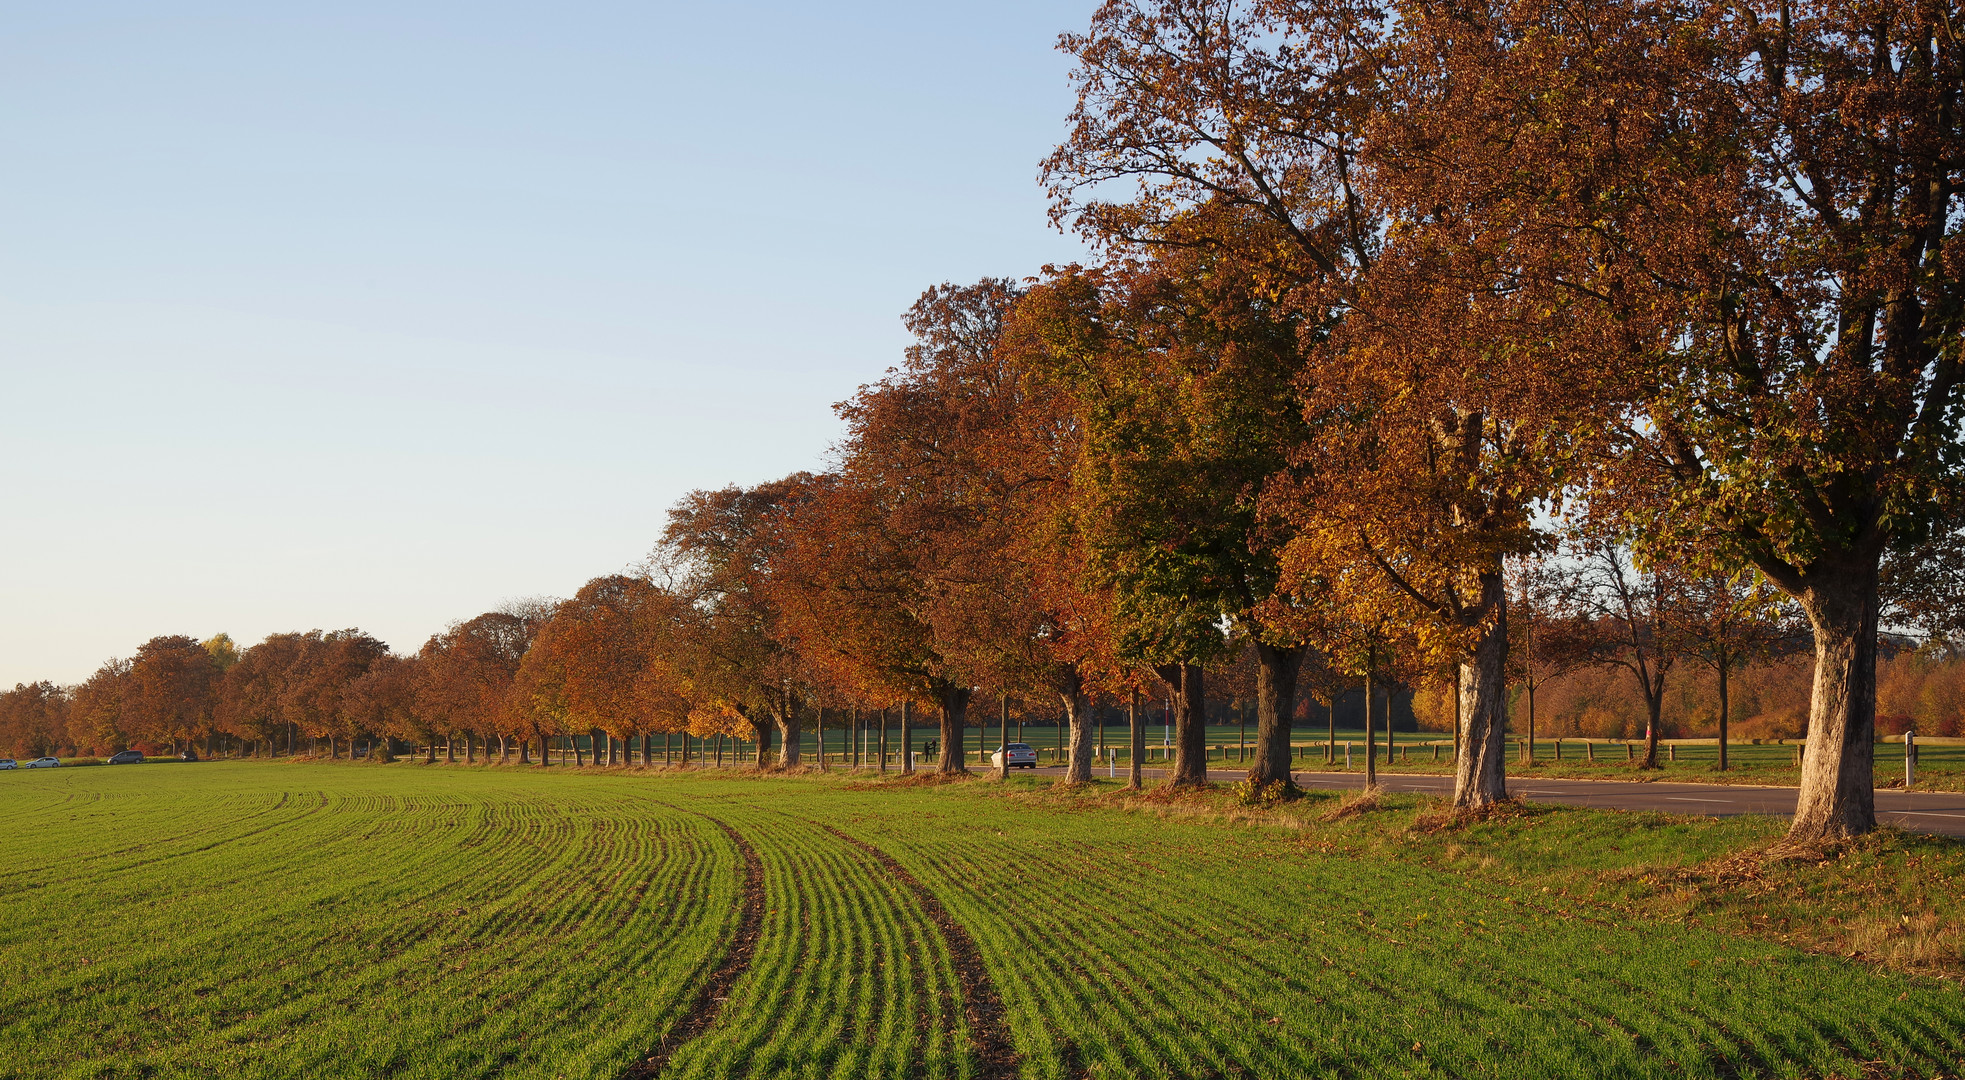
322 920
1156 949
355 931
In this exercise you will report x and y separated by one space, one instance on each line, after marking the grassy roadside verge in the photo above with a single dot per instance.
1894 898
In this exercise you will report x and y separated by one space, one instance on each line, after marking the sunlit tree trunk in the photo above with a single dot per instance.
1480 774
955 720
1190 764
790 728
1275 711
1078 747
761 729
1838 779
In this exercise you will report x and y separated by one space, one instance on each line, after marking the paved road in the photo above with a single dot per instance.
1941 812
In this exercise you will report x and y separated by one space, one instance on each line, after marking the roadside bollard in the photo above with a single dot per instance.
1111 764
1910 758
1347 755
1671 751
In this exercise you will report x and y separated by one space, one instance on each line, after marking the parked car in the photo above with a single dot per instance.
125 757
188 755
1020 755
41 763
8 763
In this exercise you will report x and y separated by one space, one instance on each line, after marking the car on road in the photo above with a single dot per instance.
1018 755
8 763
188 755
41 763
126 757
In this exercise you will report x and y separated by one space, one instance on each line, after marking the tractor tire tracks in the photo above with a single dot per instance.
709 1002
989 1032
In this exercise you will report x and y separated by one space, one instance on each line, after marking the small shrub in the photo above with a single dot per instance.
1262 795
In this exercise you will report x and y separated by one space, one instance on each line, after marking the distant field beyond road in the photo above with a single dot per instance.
293 920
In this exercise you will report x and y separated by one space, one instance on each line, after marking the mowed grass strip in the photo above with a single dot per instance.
372 923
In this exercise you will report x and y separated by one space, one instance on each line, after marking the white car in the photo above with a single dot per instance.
8 763
42 763
1020 755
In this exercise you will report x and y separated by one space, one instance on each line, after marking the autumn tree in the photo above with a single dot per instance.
1182 369
467 672
719 555
601 665
253 693
1263 113
172 691
1764 199
946 500
95 708
1620 614
382 701
1727 621
311 697
33 719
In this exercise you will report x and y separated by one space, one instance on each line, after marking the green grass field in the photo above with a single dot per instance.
302 920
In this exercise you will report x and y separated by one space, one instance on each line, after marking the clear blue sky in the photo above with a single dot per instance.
379 315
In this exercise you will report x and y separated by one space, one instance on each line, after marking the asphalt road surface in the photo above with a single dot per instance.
1941 812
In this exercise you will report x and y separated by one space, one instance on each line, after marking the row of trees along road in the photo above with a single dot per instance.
1389 301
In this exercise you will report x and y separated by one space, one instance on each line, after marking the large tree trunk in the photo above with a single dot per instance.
1653 712
1078 747
1136 731
1480 776
1838 766
1275 708
762 731
955 719
1190 764
790 729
